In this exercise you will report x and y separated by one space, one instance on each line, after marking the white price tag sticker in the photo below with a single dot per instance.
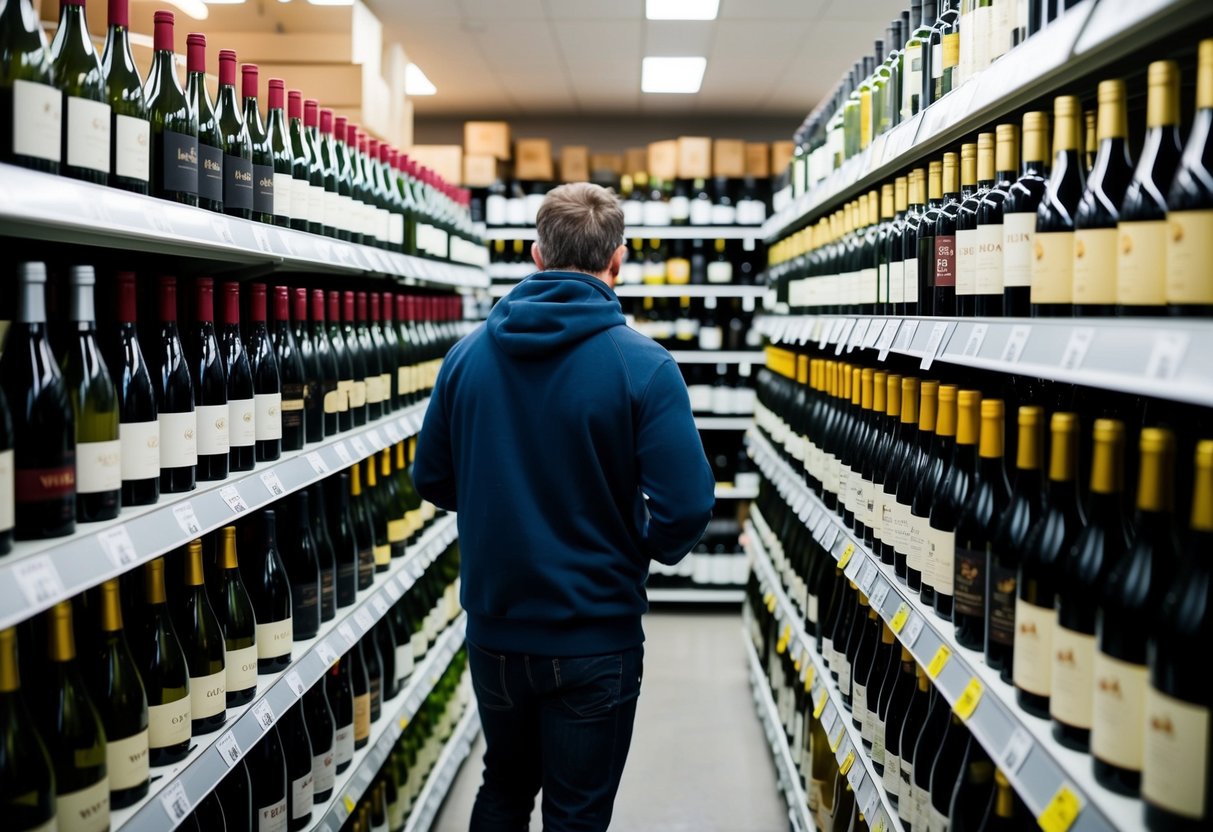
229 748
912 630
272 484
261 239
317 462
359 446
186 519
343 453
375 439
223 230
977 337
1167 355
905 335
326 653
867 577
393 589
119 548
938 332
858 334
821 331
871 800
379 604
1016 341
1076 347
264 714
284 239
295 682
1017 751
831 537
175 802
393 432
231 495
854 565
877 596
364 619
39 580
855 777
873 333
842 335
347 633
887 336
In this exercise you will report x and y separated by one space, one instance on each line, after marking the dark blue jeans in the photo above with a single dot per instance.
560 724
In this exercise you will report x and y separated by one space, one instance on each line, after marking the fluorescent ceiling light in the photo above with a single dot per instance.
194 8
331 2
681 9
415 82
682 75
223 2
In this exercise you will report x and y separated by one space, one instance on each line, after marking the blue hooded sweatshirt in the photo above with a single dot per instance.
544 428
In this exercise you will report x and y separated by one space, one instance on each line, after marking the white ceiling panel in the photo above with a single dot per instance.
502 10
583 43
596 9
771 9
678 38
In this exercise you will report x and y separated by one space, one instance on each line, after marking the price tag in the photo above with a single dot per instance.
157 220
326 653
872 802
845 766
39 580
365 620
230 494
1167 355
404 722
393 433
317 462
347 633
1017 751
847 554
119 548
876 598
376 440
912 630
1061 812
969 699
881 824
264 714
186 519
393 589
272 484
844 335
875 327
822 333
977 337
229 748
379 604
887 336
905 335
898 623
295 682
939 661
1076 347
867 578
938 332
831 537
1016 341
814 516
285 239
348 803
836 739
262 239
343 453
359 447
828 722
855 777
852 569
223 230
175 802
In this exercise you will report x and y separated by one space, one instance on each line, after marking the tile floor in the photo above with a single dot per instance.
699 761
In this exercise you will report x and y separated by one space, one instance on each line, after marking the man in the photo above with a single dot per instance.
565 441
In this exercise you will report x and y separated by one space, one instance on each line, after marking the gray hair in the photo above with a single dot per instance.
580 225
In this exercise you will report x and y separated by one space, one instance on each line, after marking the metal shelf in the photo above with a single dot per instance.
1162 357
62 210
730 492
40 573
651 232
718 356
176 790
702 290
456 750
1088 38
723 422
352 783
696 595
1038 767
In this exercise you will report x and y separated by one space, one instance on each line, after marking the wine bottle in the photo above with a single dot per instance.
1004 812
933 737
164 672
117 692
1135 586
210 386
210 814
130 132
139 426
1019 217
898 702
988 260
304 571
94 408
917 196
320 732
85 148
946 770
361 687
205 647
174 145
300 151
353 348
267 380
911 724
279 140
210 139
313 398
1081 575
974 790
339 690
345 538
28 793
934 470
7 520
976 178
901 455
44 432
241 396
270 591
28 98
939 542
175 400
263 154
333 175
380 345
235 791
317 200
298 754
1053 242
1141 282
325 554
1095 235
238 185
345 367
393 507
82 800
328 392
1189 287
391 347
370 358
234 610
269 781
377 512
944 265
1176 712
374 674
359 509
291 373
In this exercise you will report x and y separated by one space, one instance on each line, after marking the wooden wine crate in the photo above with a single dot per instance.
575 163
694 157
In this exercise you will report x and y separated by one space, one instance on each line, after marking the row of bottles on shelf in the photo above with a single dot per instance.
115 700
932 769
1091 612
656 262
117 426
67 110
721 389
689 323
731 466
717 560
1085 234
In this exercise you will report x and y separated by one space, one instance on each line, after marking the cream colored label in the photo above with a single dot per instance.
241 422
86 810
939 554
1071 699
168 724
1176 755
140 447
268 420
240 668
358 394
897 276
208 695
383 555
178 440
1053 267
374 389
274 639
345 393
212 429
1189 253
88 134
966 262
910 279
324 770
98 466
404 660
362 717
397 530
343 744
1018 233
6 490
126 761
37 120
987 260
302 795
284 193
1095 265
132 144
1141 263
1119 711
1033 647
916 552
272 818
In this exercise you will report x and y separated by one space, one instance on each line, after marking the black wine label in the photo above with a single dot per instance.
237 183
970 582
210 172
1002 605
292 404
347 583
180 162
263 189
327 599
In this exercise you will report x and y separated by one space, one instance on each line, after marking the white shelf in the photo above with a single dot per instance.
456 750
718 356
1022 745
1162 357
723 422
194 778
697 290
352 783
650 232
62 210
696 595
730 492
38 574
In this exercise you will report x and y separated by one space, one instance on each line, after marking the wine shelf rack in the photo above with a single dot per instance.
718 356
750 233
519 271
697 595
732 492
1049 778
176 789
456 750
723 422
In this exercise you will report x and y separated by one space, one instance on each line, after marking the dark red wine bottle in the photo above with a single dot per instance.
139 426
267 381
291 373
175 400
210 386
241 402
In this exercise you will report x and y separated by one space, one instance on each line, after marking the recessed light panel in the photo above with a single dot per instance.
681 9
678 75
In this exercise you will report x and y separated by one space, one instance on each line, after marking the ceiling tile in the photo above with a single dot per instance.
596 9
872 11
678 38
771 9
587 42
503 9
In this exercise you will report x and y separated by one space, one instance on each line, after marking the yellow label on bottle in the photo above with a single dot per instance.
1095 278
1141 263
1060 813
1120 702
678 271
1071 699
970 697
809 675
939 661
169 724
383 555
397 530
865 118
1189 253
362 717
1053 267
1176 758
1033 647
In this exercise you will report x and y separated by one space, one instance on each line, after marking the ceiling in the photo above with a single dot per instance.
519 58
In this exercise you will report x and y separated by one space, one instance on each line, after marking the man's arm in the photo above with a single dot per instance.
674 473
433 464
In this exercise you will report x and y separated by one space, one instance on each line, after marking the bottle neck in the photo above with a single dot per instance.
271 530
61 641
111 607
82 308
33 302
153 581
10 673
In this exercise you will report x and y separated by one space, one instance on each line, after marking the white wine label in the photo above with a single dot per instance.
140 450
178 440
88 134
1189 247
720 271
1141 263
922 808
272 818
274 639
126 761
878 741
208 695
1033 663
132 147
316 204
37 120
859 707
906 807
937 821
241 423
302 793
1120 704
1073 677
212 429
1176 760
420 643
987 260
939 555
324 770
343 745
168 724
284 193
1053 267
1095 265
892 772
358 394
1018 247
966 262
98 466
345 395
86 810
301 200
6 490
362 717
268 419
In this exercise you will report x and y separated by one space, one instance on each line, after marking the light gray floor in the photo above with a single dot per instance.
699 761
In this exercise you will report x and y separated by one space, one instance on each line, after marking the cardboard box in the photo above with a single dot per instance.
481 171
444 159
758 160
487 138
728 158
636 160
663 159
602 164
533 160
781 156
574 163
694 157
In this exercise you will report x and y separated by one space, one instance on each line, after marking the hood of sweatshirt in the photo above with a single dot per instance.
550 312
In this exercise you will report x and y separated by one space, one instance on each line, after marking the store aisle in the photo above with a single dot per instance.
699 761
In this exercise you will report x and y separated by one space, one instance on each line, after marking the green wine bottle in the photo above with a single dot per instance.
174 124
210 139
263 157
29 102
27 783
237 151
301 200
130 133
85 142
282 153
